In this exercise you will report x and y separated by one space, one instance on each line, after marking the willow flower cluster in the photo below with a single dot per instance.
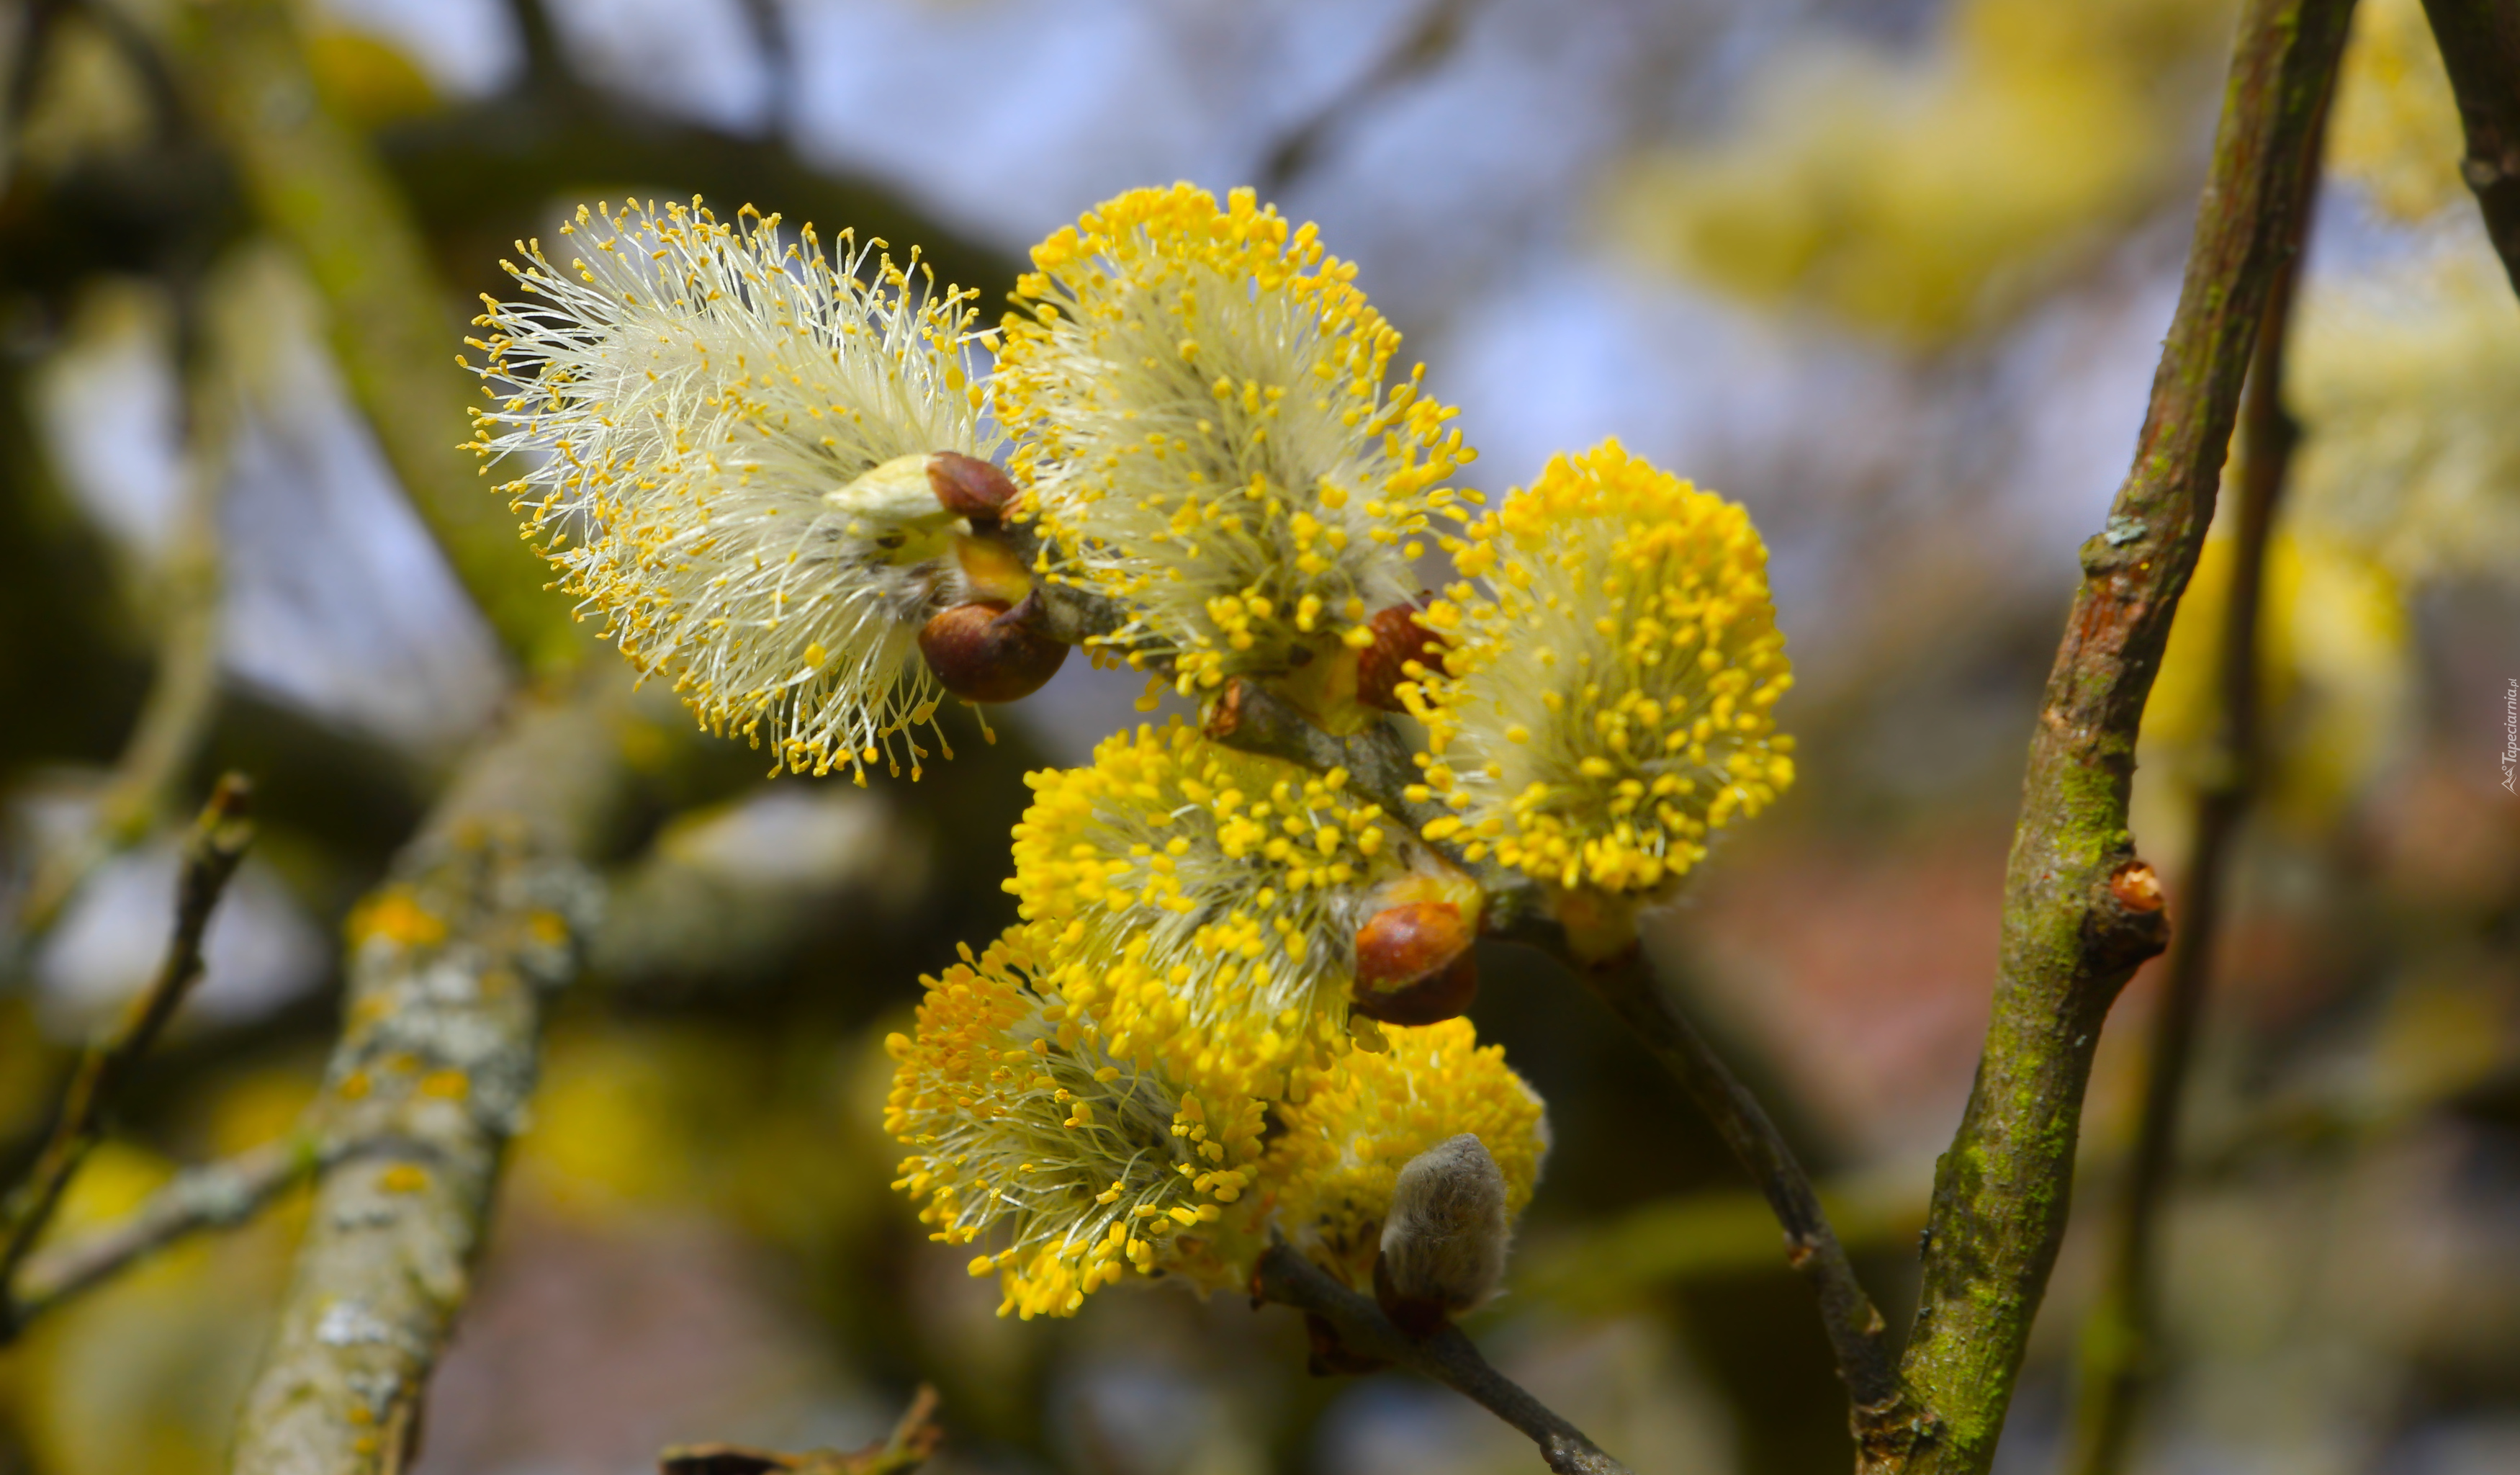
1230 1012
1086 1157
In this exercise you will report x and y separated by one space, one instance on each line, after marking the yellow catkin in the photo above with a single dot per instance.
1197 396
1608 700
1208 900
1331 1169
2395 131
702 407
1081 1163
1085 1163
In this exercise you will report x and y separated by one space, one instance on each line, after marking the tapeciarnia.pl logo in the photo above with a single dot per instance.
2511 736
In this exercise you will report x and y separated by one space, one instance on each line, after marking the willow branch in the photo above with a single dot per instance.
210 856
2081 912
2118 1346
1447 1356
318 185
215 1196
913 1440
2480 47
450 967
1856 1334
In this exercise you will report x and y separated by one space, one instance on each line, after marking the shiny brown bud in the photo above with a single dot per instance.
1414 964
1398 639
969 487
986 652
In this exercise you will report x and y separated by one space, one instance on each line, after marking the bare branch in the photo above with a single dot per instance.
2118 1342
451 962
2480 47
1857 1335
1430 38
318 185
1447 1356
216 848
914 1438
2081 912
183 692
214 1196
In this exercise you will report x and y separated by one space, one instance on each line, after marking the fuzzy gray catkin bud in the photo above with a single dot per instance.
1444 1239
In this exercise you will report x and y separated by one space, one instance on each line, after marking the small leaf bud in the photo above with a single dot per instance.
969 487
987 652
1444 1239
1414 964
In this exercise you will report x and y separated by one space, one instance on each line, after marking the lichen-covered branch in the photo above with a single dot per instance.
215 1196
317 185
2118 1342
2480 46
1447 1356
211 858
451 962
2080 910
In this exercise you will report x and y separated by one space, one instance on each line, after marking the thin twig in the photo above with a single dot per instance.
184 689
214 1196
2081 912
1432 36
2480 47
1447 1356
1856 1334
2117 1345
210 856
913 1440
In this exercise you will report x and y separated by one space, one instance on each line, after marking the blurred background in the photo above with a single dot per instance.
1891 272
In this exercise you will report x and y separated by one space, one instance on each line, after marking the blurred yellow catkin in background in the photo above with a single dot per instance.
1924 198
2395 130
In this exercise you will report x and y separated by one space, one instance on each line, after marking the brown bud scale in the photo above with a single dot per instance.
1414 964
969 487
1398 639
1429 1000
986 652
